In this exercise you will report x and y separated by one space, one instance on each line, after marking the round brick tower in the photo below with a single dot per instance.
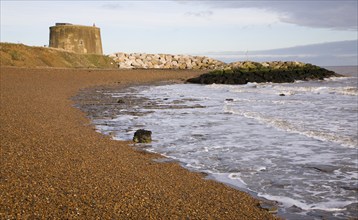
76 38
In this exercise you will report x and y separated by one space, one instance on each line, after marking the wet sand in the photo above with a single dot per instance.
54 164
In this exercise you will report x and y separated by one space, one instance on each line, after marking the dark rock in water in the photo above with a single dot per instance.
142 136
353 188
294 209
270 206
352 208
323 168
280 184
282 94
276 72
120 101
229 100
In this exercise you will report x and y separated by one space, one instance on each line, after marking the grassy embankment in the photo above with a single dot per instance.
20 55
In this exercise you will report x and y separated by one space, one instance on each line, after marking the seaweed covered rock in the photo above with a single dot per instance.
142 136
277 72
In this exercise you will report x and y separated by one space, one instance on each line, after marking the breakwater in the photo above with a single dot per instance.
165 61
169 61
276 72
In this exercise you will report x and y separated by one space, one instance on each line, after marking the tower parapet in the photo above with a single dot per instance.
76 38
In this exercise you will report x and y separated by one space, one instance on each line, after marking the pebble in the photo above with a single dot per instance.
50 152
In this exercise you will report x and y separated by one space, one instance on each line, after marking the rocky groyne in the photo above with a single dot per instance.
276 72
165 61
169 61
240 72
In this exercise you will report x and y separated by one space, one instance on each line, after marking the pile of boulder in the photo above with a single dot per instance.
169 61
165 61
262 65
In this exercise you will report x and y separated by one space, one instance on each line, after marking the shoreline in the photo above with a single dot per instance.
143 107
97 109
55 165
156 103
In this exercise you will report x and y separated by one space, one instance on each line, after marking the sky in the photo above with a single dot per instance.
186 27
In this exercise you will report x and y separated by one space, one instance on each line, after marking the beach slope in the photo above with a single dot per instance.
54 164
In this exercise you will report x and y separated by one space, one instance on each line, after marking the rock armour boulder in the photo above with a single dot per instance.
165 61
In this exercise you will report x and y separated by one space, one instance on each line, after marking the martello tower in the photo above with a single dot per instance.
76 38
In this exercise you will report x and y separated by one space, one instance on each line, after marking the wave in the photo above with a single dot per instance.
348 90
330 206
288 126
213 149
292 88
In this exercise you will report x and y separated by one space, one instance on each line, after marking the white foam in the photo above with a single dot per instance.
329 206
288 126
353 91
338 79
261 168
230 178
319 90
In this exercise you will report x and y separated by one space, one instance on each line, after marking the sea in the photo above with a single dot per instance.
292 143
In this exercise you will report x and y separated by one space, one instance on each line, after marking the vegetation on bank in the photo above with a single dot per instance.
277 72
26 56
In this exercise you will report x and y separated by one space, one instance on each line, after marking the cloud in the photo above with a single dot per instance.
200 13
324 54
341 15
112 6
336 47
338 15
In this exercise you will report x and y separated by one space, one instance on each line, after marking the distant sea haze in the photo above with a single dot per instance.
341 53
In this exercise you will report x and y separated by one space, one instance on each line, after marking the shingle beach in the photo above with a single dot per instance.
54 165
